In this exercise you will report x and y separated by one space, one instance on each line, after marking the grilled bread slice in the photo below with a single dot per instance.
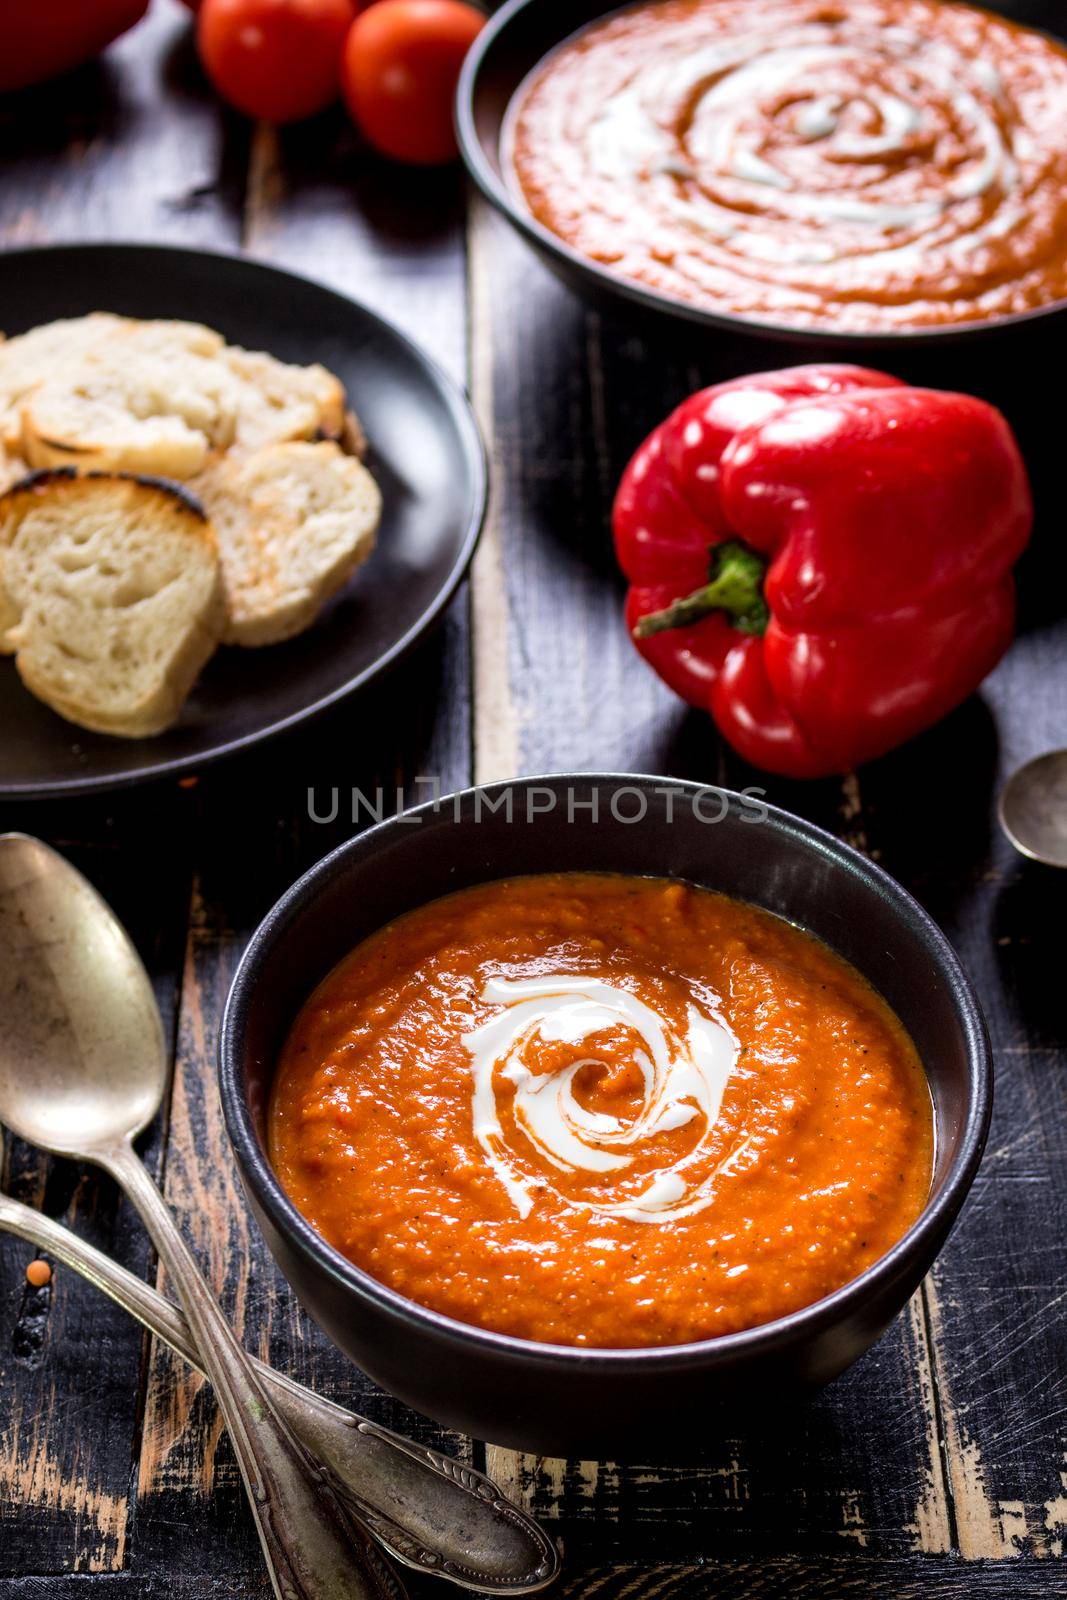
158 397
116 587
151 397
278 402
28 358
293 523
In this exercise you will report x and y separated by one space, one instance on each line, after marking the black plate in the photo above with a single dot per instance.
524 31
426 454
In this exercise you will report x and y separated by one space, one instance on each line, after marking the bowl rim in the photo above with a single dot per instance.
930 1227
500 197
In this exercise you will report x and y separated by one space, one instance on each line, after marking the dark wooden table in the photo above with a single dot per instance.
935 1466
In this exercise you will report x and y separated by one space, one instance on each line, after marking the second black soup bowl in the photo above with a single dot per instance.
516 39
559 1400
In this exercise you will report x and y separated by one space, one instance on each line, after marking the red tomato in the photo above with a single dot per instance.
278 60
401 63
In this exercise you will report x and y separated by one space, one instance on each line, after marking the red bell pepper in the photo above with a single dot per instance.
821 557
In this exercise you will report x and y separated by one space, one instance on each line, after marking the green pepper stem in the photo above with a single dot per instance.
735 587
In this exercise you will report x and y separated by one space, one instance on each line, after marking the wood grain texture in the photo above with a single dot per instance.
915 1474
149 1452
313 204
935 1466
104 153
769 1487
70 1365
846 1579
129 147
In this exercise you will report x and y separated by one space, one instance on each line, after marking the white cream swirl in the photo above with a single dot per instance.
753 108
684 1078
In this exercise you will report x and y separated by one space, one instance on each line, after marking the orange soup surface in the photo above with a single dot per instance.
602 1110
859 165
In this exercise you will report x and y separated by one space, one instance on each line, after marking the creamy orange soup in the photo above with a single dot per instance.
852 164
602 1110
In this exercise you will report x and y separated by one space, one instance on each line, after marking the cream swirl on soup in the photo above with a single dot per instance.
683 1077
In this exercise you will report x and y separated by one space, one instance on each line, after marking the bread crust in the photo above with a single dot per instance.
38 479
66 491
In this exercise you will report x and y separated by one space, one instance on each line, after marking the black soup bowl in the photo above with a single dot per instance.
562 1400
515 40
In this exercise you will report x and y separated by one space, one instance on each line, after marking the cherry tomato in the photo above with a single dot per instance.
401 63
278 60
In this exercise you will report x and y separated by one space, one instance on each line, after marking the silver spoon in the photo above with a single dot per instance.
430 1512
1033 808
83 1068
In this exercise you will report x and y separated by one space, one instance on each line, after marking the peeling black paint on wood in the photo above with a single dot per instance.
934 1466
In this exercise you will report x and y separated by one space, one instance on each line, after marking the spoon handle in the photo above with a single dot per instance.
313 1549
430 1511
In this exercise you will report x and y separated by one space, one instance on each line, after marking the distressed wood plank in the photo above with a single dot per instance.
804 1482
807 1580
69 1361
569 395
945 1437
826 1579
996 1295
320 202
131 146
258 826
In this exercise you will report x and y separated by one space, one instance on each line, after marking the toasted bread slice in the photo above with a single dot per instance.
279 402
116 583
153 397
28 358
293 523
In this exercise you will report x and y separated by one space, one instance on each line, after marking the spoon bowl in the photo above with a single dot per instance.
83 1061
1033 809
